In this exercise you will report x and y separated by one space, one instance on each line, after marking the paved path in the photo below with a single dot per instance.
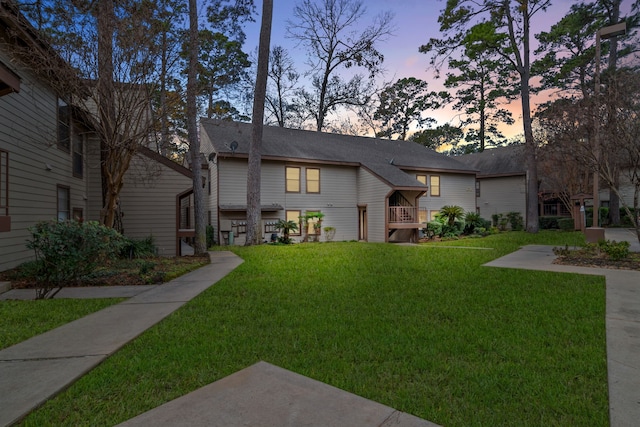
33 371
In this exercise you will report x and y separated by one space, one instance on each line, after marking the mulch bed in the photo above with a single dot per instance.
632 262
135 272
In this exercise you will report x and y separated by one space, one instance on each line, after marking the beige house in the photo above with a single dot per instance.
367 189
49 161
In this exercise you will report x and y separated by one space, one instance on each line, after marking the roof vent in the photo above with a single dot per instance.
233 146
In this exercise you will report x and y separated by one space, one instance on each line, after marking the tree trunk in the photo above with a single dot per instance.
614 200
192 129
253 177
107 113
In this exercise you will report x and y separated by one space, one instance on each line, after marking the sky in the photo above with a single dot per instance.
416 21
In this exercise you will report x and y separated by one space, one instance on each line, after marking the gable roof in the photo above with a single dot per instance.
388 159
498 161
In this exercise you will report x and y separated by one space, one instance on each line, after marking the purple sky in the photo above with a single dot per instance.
415 22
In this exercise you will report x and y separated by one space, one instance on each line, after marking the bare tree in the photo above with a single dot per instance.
253 176
284 82
328 29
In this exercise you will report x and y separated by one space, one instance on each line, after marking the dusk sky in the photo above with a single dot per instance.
415 22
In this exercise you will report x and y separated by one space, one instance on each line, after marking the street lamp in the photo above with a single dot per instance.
602 33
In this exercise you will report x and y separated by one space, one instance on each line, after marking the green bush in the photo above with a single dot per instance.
65 251
516 221
548 222
615 250
133 249
210 236
434 228
566 224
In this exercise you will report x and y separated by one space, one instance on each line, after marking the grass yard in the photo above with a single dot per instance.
426 330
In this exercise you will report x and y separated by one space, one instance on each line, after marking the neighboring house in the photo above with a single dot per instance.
49 161
367 189
501 180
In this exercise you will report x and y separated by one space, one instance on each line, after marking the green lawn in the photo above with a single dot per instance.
426 330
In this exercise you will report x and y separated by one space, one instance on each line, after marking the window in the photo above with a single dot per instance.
422 179
4 183
78 215
433 215
434 183
422 215
64 125
295 217
313 180
293 179
78 157
64 203
477 188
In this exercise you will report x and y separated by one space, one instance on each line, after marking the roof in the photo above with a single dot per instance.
499 161
387 159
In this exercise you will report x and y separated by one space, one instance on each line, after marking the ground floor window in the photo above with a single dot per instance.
295 217
64 203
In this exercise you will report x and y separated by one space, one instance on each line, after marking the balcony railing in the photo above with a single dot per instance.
403 215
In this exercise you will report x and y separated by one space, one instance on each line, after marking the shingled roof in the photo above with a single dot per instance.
498 161
384 158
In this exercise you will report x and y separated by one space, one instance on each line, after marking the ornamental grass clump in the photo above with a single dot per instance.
68 250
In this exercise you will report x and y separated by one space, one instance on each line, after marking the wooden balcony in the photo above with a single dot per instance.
404 217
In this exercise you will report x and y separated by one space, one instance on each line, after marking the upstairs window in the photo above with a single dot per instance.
78 157
313 180
64 125
293 179
434 184
422 179
477 188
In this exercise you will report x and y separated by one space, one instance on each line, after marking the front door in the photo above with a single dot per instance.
362 223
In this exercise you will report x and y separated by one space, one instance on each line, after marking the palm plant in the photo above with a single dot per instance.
452 213
286 226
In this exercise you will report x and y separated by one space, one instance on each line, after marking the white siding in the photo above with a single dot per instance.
502 195
372 192
36 164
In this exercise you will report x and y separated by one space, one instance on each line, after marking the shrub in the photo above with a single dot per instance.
434 228
144 248
516 221
473 223
210 236
65 251
548 222
615 250
566 224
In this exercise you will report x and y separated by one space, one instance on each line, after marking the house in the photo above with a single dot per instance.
501 180
49 157
366 189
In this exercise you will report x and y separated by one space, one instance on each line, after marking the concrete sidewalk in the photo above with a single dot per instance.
35 370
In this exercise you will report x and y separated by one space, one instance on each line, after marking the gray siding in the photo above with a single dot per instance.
455 189
502 195
372 192
36 165
148 202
